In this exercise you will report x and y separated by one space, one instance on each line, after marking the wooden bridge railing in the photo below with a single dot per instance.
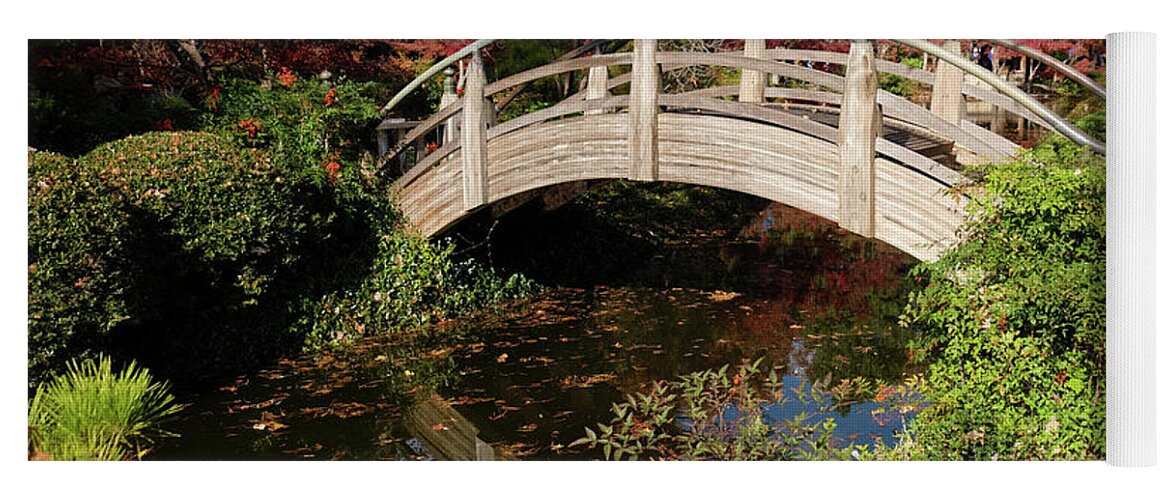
673 59
862 107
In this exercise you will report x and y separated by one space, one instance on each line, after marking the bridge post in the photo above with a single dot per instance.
449 97
596 84
947 97
858 129
644 110
474 135
752 82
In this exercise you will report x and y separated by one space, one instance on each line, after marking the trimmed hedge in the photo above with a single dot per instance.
165 247
77 269
225 210
222 238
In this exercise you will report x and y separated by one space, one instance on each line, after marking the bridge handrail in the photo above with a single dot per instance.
1025 104
434 70
926 77
501 85
916 74
683 58
1060 125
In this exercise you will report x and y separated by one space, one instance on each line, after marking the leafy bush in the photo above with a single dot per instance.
91 413
77 264
302 125
202 252
1093 124
1013 318
213 230
709 415
410 283
216 202
899 85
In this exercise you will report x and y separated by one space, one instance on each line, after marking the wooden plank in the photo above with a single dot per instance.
474 137
947 98
858 129
752 82
644 110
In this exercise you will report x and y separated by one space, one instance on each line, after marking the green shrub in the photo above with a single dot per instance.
299 128
898 85
1012 320
204 252
711 415
1094 124
410 283
213 230
218 202
91 413
77 264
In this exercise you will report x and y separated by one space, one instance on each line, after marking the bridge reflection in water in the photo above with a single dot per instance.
445 434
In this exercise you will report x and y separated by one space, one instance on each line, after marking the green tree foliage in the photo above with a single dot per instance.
92 413
1013 319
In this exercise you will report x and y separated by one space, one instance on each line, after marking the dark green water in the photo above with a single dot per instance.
523 381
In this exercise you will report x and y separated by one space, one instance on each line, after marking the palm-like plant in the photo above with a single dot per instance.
92 413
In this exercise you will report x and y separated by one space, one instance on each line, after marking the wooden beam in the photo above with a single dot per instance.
858 130
474 137
752 82
644 110
947 98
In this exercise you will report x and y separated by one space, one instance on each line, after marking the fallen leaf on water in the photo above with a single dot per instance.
502 358
722 296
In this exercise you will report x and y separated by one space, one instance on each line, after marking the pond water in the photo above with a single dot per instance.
524 380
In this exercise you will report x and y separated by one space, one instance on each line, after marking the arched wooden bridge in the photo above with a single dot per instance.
838 147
